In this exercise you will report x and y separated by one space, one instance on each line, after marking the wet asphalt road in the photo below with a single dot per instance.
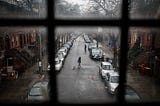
79 86
82 85
85 85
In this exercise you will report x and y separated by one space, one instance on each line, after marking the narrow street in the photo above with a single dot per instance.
82 85
86 86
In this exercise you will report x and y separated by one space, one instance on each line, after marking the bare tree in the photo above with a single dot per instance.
27 4
110 7
146 8
65 8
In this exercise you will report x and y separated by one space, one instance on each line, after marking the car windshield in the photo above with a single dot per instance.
57 61
62 50
93 45
107 67
41 83
95 51
35 91
129 91
114 79
66 45
59 55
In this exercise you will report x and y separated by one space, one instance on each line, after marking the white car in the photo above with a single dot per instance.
92 45
97 54
58 64
48 67
63 50
61 56
111 82
104 68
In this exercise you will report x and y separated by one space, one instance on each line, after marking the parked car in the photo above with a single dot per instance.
104 68
63 50
111 81
130 95
97 54
9 75
86 38
67 45
66 49
58 64
61 56
70 43
39 92
92 45
48 67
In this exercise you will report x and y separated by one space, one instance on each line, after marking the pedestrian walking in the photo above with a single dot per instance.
85 47
79 62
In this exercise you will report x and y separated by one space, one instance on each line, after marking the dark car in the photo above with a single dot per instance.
39 92
131 95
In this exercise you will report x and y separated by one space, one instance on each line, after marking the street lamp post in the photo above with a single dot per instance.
40 54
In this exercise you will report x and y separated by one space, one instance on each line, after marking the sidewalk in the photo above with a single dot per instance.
107 50
32 72
16 90
147 86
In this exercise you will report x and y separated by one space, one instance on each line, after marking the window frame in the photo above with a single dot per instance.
51 23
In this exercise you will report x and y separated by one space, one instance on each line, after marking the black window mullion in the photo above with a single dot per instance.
51 45
124 23
123 51
110 22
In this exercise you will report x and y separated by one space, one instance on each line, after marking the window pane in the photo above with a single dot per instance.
22 49
88 9
87 83
23 9
143 63
144 9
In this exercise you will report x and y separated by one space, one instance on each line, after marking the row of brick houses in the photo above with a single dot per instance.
149 37
19 47
148 48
